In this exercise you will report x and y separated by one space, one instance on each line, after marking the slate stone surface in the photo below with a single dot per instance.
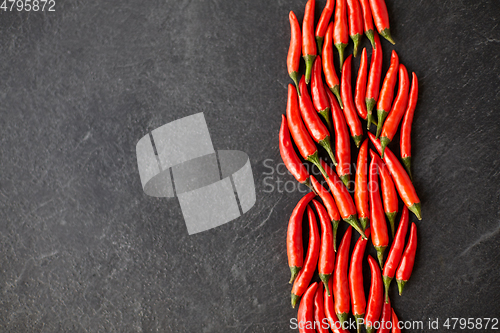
83 249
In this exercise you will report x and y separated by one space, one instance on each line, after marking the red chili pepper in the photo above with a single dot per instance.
323 22
392 262
389 194
407 260
305 315
330 205
319 310
367 20
306 273
385 322
381 18
360 186
397 110
405 141
349 108
319 97
343 199
342 143
328 67
294 247
380 238
330 314
387 91
401 179
314 125
376 296
340 282
355 23
395 323
340 30
373 85
326 261
293 59
360 91
300 136
309 51
356 287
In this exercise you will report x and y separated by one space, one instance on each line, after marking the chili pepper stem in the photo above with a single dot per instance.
359 320
295 78
386 33
407 164
345 179
380 255
353 221
295 299
416 209
315 160
392 218
309 59
319 41
369 329
335 226
342 317
336 91
294 270
369 34
307 183
370 104
364 222
325 143
341 47
381 118
357 140
401 285
387 284
326 115
384 141
325 278
356 39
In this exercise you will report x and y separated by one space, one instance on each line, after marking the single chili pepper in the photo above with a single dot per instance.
330 314
340 30
342 142
405 141
397 110
400 177
294 247
314 125
328 67
360 91
349 108
385 322
356 287
367 20
346 206
407 260
387 91
381 18
331 206
300 136
306 273
309 51
319 97
395 323
376 296
319 310
355 17
305 314
392 262
323 22
380 238
290 158
389 194
373 85
326 260
293 59
340 282
361 187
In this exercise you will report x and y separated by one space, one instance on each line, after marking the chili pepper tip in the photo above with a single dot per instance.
294 272
336 91
382 114
364 222
353 221
384 141
359 320
407 164
325 278
401 285
319 41
342 317
387 284
326 115
345 180
416 209
309 59
386 33
369 34
295 78
335 226
357 140
295 299
380 255
307 183
315 160
356 39
392 218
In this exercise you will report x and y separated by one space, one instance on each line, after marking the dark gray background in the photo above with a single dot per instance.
83 249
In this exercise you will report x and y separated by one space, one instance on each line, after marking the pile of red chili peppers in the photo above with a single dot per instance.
321 112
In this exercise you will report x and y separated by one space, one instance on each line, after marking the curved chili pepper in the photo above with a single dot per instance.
349 108
319 310
330 205
367 20
381 18
397 110
314 125
376 296
360 186
324 19
380 238
319 97
305 314
401 179
385 322
405 141
293 59
342 143
373 85
294 247
300 136
309 51
326 260
355 23
360 91
340 282
330 314
306 273
340 30
395 323
387 91
356 287
398 245
389 194
328 67
407 260
346 206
